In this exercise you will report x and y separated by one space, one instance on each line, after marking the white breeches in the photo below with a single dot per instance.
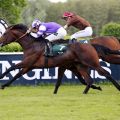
83 33
61 32
34 35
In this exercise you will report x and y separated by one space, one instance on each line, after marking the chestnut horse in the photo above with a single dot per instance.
81 55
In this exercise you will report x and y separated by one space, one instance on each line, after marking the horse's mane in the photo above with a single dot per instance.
20 27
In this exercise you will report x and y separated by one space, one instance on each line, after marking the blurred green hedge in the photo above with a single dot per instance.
13 47
111 29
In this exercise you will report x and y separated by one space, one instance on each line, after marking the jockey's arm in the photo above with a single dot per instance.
30 30
66 26
39 33
68 23
41 30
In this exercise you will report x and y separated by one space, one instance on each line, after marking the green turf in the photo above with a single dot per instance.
39 103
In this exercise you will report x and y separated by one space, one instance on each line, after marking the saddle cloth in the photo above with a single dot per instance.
58 49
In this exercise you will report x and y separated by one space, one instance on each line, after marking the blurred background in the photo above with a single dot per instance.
97 12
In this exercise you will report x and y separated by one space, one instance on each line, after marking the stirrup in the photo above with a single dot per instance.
72 41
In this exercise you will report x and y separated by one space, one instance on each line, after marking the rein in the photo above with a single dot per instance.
21 36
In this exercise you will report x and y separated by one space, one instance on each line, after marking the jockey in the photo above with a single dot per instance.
78 22
52 30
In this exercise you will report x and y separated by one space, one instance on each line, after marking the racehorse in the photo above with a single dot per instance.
107 55
81 55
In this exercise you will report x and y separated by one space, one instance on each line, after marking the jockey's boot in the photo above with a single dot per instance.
49 49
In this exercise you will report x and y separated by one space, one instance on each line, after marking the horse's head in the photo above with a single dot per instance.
12 34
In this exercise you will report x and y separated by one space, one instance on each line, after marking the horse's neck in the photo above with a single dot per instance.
28 43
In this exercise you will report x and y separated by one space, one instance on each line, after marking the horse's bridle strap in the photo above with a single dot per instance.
20 36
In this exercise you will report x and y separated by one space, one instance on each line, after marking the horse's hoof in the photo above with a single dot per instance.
54 92
85 92
1 87
99 88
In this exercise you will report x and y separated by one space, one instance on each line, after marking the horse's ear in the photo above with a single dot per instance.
10 27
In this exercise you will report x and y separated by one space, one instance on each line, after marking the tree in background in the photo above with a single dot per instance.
11 10
97 12
111 29
35 9
114 11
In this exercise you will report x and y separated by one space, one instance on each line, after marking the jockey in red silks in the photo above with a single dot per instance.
78 22
52 30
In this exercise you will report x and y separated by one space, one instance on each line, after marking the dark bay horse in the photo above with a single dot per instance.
81 55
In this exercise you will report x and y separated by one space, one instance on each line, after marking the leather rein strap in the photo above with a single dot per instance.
21 36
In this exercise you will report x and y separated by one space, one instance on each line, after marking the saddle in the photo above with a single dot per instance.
60 48
57 49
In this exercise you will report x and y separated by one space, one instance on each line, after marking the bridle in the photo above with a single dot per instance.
20 36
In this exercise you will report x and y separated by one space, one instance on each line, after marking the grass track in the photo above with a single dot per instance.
39 103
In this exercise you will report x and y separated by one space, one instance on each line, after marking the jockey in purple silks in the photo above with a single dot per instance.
52 30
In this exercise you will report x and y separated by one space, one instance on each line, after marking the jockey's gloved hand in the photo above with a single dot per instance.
29 30
65 27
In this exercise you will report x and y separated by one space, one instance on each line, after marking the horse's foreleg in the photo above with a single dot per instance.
60 75
25 63
17 66
23 71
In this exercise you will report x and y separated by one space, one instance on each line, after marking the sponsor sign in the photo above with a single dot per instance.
39 76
